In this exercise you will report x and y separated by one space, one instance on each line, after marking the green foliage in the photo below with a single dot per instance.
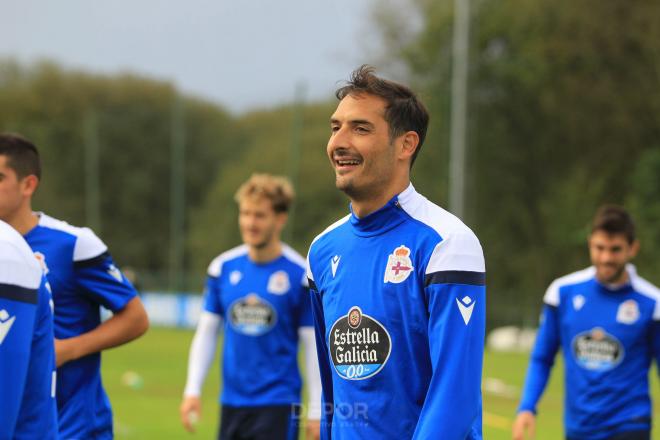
563 106
563 109
267 148
644 202
132 124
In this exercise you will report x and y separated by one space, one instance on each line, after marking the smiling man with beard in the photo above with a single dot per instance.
398 285
606 320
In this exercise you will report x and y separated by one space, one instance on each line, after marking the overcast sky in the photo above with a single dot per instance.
240 53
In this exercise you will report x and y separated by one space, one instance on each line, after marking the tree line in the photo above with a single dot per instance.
563 116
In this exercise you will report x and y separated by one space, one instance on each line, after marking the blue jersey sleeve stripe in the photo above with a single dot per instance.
456 277
18 293
91 262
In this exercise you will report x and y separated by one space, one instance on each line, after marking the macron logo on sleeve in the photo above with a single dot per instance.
465 306
6 322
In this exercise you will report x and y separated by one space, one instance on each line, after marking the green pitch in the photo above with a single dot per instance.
145 381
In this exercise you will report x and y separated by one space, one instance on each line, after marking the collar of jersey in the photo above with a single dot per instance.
622 288
388 217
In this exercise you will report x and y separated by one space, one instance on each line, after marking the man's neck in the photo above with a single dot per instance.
364 207
617 283
23 221
265 254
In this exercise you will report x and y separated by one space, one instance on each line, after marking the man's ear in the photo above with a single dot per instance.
634 248
409 142
282 218
30 184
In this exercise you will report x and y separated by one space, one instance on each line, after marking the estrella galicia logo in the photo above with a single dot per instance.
252 315
359 345
597 350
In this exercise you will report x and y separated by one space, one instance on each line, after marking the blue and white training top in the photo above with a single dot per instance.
608 338
262 305
83 277
27 354
399 302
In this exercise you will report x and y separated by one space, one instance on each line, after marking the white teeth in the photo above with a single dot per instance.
348 162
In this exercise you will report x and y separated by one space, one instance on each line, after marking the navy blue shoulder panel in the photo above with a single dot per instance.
456 277
18 293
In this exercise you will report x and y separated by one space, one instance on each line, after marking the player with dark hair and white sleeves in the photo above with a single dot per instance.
27 354
606 320
257 294
398 285
83 277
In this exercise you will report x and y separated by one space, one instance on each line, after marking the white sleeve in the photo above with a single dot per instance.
202 352
313 379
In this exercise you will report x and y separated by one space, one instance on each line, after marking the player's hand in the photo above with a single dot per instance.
525 423
64 351
313 430
190 410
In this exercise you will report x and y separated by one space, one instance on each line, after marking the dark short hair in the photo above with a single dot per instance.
22 155
614 219
403 111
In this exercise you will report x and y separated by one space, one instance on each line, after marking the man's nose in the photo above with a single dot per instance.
339 139
608 256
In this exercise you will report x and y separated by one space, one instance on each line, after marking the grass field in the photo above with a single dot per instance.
147 408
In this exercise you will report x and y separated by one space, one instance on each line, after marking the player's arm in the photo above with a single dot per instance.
654 336
307 337
325 370
455 295
313 380
453 401
100 281
202 349
202 353
538 372
38 415
124 326
18 307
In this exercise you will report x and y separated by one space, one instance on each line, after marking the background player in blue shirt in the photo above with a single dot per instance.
258 293
27 356
83 277
606 320
398 285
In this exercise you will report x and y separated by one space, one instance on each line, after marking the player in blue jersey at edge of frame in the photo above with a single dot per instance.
606 320
83 277
398 285
257 293
27 353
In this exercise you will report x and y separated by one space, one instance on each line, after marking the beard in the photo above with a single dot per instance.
260 242
616 276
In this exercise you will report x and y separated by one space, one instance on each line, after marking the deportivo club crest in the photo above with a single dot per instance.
578 302
359 345
278 283
399 265
234 277
628 312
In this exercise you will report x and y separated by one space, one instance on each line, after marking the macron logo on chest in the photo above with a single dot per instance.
334 263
